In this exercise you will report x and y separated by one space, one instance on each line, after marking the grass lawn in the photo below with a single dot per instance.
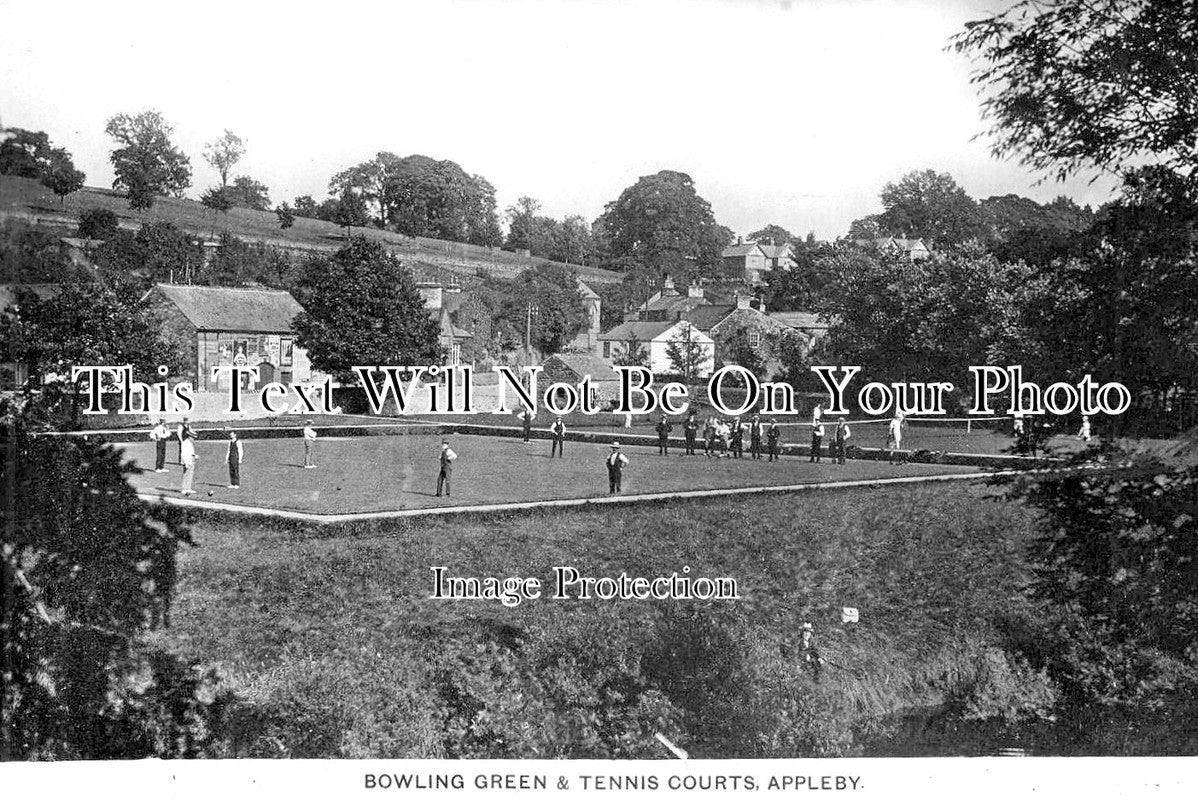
376 473
330 634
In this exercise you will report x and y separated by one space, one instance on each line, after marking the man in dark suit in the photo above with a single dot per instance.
616 461
559 438
663 436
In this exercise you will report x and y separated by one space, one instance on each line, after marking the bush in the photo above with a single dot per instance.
98 223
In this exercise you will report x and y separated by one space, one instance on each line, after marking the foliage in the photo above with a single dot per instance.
930 205
98 223
61 176
1073 84
1114 563
558 312
158 252
735 348
29 255
419 196
235 262
29 154
224 153
1023 230
87 568
568 240
689 358
286 215
249 193
349 211
217 199
88 324
24 154
362 307
775 233
661 226
146 163
800 287
634 353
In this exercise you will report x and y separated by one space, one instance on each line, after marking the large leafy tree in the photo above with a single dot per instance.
421 196
24 154
249 193
29 255
362 307
775 233
1022 229
146 163
87 569
661 225
930 205
1076 84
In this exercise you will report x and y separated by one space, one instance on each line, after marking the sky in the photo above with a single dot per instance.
793 112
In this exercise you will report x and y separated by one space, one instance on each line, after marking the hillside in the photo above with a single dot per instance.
26 199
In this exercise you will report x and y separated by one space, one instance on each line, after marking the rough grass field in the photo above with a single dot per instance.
379 473
329 636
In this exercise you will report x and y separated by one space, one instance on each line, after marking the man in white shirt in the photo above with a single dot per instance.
558 431
158 435
446 473
187 457
895 434
616 461
309 445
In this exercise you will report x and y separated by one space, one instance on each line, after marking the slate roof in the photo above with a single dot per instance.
644 331
217 308
802 320
707 317
582 364
740 250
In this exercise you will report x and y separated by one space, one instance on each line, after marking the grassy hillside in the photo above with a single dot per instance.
27 199
330 639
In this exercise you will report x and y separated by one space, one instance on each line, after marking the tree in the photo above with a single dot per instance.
1072 84
30 255
235 262
98 223
88 568
217 199
24 154
349 211
90 323
930 205
663 225
1022 229
307 207
774 233
158 252
286 215
559 313
224 153
61 177
634 354
521 222
362 307
689 357
249 193
146 163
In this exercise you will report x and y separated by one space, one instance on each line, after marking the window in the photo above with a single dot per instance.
607 349
754 338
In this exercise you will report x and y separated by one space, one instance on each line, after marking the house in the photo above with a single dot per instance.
812 326
725 322
215 325
442 300
655 339
573 367
914 249
779 256
746 261
588 339
667 304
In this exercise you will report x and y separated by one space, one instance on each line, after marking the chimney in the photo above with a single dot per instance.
694 290
742 300
740 240
667 286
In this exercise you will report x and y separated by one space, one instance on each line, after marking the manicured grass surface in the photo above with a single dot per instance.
379 473
332 629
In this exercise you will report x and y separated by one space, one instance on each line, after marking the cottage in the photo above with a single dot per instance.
746 261
653 340
441 301
667 304
218 326
779 256
571 368
725 323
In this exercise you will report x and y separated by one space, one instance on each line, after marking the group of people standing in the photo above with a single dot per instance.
186 437
724 438
841 433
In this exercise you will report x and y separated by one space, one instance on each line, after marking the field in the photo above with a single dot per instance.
380 473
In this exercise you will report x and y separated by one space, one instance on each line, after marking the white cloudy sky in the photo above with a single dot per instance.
789 112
